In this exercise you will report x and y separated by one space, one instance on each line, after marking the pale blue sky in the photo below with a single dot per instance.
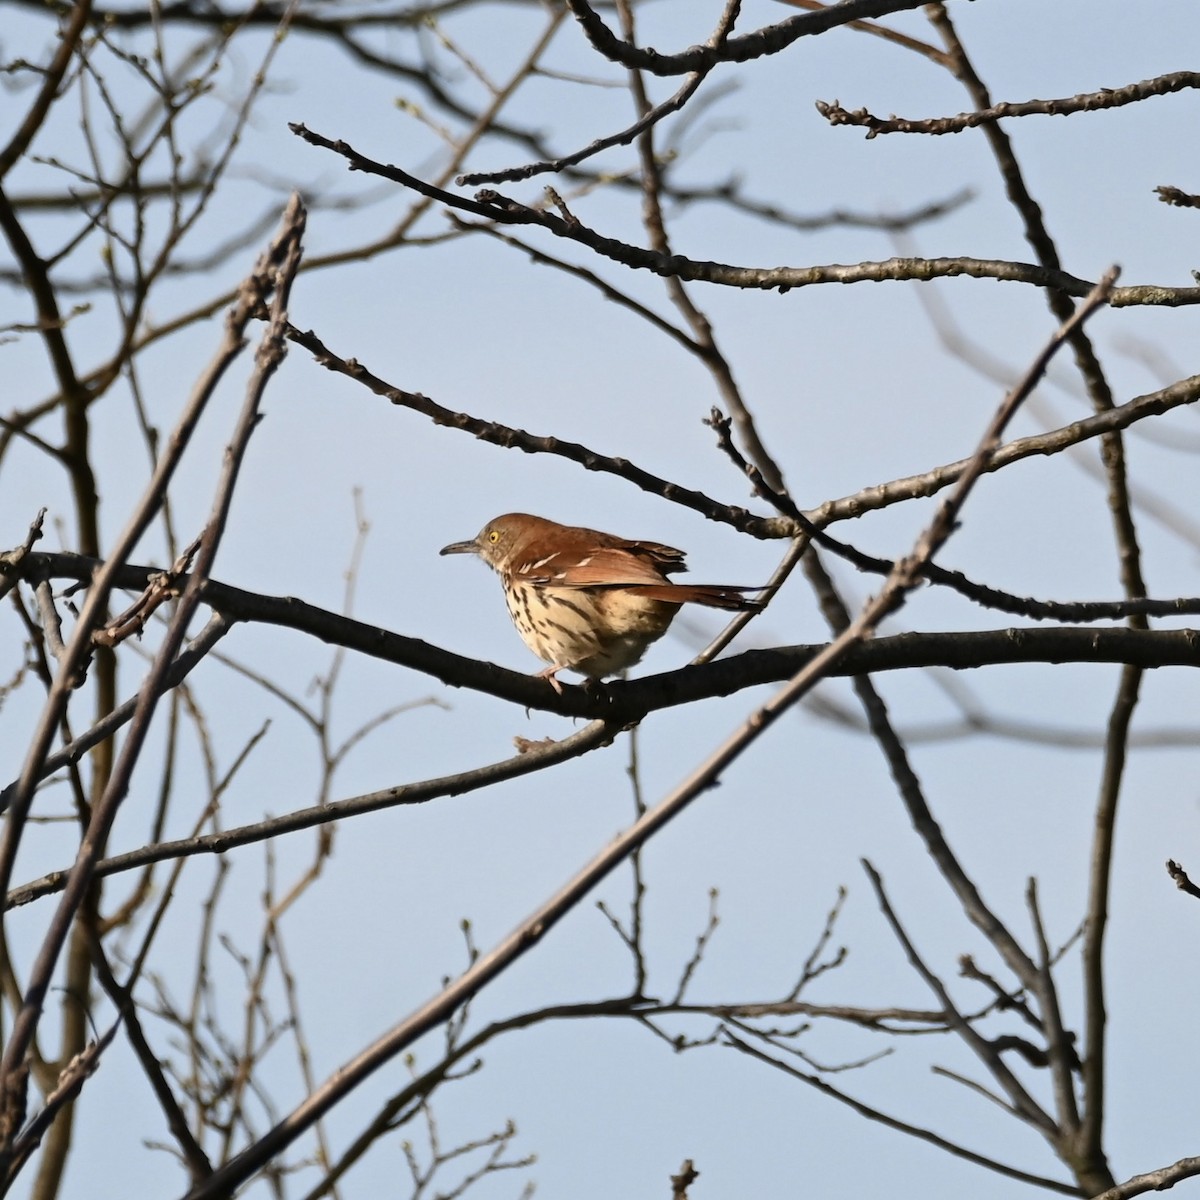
851 387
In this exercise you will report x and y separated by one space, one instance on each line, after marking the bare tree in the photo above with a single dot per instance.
232 849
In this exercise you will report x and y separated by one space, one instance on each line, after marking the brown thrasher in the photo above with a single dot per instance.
588 601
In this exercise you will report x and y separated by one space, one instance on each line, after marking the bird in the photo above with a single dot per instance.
588 601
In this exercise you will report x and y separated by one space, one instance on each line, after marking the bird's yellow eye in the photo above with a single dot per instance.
493 536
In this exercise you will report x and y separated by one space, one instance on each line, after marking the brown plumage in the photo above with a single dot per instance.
588 601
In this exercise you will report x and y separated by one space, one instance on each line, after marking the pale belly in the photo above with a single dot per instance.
595 631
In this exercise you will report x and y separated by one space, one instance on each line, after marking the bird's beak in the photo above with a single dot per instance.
471 547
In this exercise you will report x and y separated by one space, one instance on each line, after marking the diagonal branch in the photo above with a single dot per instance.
917 1131
646 121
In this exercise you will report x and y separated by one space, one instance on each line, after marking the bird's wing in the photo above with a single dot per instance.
601 567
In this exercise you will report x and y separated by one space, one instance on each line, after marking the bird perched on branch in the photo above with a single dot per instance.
588 601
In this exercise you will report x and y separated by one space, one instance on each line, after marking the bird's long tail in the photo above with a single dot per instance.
711 594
